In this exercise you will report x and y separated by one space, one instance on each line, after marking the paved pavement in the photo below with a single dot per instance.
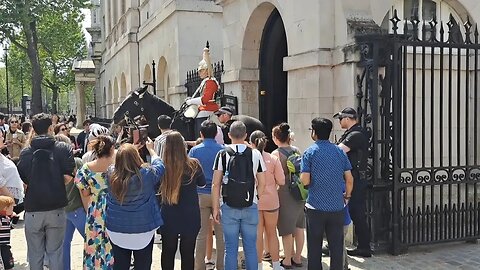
462 256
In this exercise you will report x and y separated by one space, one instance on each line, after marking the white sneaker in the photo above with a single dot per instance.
210 265
277 266
157 239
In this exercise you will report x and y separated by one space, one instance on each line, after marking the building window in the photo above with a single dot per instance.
425 11
428 9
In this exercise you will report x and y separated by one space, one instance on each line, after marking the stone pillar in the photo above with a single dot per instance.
80 97
99 101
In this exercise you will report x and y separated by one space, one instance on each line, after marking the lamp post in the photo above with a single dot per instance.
21 78
5 47
154 81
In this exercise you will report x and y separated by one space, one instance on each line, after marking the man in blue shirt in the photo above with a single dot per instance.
206 153
326 170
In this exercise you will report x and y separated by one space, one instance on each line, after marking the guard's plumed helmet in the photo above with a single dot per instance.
206 64
202 65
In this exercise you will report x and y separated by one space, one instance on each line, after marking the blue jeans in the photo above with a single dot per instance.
242 222
75 220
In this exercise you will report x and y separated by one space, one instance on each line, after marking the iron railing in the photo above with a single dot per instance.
418 97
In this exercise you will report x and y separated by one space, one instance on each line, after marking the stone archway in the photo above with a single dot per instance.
109 103
162 79
123 87
115 93
272 96
147 73
263 49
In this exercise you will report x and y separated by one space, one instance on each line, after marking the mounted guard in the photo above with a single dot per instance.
202 103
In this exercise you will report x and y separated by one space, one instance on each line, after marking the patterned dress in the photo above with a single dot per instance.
98 252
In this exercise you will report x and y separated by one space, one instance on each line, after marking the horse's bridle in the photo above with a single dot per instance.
138 104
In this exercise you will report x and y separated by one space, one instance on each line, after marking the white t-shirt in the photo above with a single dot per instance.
132 241
257 159
10 178
219 136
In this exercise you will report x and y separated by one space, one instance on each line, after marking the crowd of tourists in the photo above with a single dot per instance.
123 194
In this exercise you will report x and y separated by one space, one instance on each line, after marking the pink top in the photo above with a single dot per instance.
274 177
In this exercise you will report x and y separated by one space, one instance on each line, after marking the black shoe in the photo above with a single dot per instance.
326 251
294 263
366 253
285 266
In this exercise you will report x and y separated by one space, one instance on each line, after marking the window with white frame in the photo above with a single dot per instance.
425 11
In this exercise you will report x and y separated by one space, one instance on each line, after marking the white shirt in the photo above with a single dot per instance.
88 157
132 241
5 127
257 159
10 178
219 136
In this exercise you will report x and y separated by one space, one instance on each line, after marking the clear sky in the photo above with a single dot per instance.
85 24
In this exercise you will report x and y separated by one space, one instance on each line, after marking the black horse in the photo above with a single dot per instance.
141 102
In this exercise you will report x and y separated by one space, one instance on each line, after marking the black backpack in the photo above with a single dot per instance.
238 185
46 179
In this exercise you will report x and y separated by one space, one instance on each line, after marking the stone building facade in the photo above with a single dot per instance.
285 60
132 34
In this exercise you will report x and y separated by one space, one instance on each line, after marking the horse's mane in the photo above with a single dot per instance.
144 91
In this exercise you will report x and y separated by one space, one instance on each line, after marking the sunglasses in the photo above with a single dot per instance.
13 122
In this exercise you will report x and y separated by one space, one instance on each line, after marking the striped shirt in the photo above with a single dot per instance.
159 142
5 228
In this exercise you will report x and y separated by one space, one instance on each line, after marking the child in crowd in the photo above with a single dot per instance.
6 210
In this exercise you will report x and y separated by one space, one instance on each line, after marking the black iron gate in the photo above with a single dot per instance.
418 98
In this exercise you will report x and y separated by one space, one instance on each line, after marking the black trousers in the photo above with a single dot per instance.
142 259
357 208
169 248
7 256
330 223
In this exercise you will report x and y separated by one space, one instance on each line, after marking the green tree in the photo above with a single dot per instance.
19 23
19 74
62 41
3 90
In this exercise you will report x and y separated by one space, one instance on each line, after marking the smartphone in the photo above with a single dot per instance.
143 135
136 136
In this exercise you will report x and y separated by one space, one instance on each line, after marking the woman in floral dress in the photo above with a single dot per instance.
91 180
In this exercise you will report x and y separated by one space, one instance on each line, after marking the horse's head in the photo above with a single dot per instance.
142 102
133 105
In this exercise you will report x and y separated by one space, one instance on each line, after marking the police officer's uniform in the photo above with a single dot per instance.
356 139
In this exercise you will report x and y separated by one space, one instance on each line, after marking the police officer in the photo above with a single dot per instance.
354 142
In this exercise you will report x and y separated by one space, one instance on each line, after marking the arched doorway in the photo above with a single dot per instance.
123 87
115 94
147 74
272 96
109 103
162 82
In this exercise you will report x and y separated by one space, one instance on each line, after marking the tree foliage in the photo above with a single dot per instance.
19 23
62 42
